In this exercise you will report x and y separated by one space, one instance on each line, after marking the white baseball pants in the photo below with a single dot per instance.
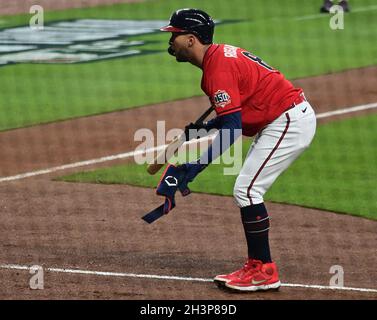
274 149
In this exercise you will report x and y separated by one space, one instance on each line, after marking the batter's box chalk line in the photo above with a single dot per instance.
172 278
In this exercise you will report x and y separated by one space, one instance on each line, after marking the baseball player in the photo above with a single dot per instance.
247 94
327 4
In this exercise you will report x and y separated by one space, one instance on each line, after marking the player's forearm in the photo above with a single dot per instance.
230 128
214 123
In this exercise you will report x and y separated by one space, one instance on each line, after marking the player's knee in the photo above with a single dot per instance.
244 195
240 195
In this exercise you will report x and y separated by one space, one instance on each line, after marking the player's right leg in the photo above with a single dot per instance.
273 151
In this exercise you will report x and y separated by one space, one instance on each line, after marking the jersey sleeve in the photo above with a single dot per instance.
222 90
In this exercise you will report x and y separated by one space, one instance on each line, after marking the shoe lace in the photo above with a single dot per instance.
249 267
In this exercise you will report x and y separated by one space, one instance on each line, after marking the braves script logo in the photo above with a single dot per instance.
221 98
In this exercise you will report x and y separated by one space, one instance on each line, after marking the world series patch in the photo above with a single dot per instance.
221 98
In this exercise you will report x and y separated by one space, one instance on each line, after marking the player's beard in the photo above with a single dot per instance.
181 55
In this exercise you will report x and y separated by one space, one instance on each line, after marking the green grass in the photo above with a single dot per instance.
337 173
38 93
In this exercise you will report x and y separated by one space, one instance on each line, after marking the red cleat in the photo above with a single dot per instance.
224 278
263 277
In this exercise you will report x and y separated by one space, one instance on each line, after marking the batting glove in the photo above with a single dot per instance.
191 170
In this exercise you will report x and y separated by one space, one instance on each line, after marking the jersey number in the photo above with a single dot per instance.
257 60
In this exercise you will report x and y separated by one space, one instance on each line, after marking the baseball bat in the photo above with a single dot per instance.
160 160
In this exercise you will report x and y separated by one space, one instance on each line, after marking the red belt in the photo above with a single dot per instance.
301 98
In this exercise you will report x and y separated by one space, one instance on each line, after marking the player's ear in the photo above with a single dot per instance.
191 40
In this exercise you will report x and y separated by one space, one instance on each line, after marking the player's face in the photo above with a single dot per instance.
178 46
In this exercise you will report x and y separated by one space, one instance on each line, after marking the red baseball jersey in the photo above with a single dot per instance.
236 80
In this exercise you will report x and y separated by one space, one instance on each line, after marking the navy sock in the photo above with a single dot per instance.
256 224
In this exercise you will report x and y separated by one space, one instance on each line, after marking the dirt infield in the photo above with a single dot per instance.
98 227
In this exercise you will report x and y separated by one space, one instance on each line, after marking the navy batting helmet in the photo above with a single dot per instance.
193 21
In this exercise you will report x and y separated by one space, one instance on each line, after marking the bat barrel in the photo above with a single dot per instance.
163 157
153 168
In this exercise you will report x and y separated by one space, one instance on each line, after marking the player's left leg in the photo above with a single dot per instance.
272 152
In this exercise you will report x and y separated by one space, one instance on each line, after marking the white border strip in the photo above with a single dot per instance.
177 278
139 152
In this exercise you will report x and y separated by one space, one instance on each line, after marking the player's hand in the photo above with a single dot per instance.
191 170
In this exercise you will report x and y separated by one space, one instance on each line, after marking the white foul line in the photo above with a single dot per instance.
177 278
140 152
94 161
347 110
80 164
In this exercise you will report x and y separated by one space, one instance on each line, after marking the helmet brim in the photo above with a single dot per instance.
170 28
